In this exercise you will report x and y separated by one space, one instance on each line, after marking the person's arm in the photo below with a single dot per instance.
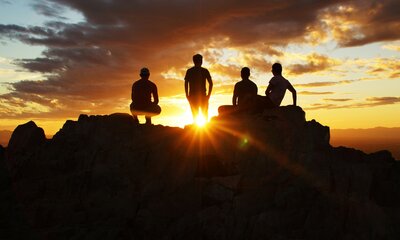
155 94
269 88
294 94
186 86
210 85
234 97
132 93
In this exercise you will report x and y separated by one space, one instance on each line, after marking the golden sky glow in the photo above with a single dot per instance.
72 58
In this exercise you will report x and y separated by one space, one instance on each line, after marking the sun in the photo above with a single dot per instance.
200 121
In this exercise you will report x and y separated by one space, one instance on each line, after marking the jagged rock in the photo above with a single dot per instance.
26 137
268 176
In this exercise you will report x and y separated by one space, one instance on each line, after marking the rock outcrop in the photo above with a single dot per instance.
271 176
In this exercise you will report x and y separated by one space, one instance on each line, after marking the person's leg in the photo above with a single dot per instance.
194 106
134 115
135 119
148 120
155 109
263 102
204 107
225 110
268 103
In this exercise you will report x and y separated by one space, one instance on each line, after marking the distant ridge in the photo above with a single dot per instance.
369 140
5 136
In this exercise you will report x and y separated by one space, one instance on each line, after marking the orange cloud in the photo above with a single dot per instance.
361 22
315 63
325 84
314 93
385 67
369 102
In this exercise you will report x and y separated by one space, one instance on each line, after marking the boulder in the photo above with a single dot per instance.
25 137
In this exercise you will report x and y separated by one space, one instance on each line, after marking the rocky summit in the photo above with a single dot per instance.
267 176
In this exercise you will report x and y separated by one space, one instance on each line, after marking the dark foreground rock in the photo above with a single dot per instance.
271 176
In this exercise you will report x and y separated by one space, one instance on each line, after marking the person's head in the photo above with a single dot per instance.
144 73
197 60
245 73
277 69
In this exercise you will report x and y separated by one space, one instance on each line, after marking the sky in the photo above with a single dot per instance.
62 58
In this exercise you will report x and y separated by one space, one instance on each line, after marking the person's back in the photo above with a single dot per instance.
279 85
197 77
244 96
142 91
277 88
245 90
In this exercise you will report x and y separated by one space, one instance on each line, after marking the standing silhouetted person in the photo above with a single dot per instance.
276 90
244 95
195 87
142 91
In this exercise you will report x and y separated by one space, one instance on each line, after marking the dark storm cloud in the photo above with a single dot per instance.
43 65
19 32
368 22
21 99
49 9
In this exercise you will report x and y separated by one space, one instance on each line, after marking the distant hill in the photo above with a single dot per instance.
368 140
5 136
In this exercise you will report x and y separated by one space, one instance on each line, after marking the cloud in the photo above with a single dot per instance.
368 102
376 101
49 9
393 47
315 63
385 68
314 93
43 65
338 99
325 84
361 22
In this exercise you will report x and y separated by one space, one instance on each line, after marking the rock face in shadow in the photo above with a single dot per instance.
270 176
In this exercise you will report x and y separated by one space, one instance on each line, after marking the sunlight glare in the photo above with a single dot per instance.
200 120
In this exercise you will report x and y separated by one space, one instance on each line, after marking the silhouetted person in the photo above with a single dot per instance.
244 95
195 87
142 91
276 90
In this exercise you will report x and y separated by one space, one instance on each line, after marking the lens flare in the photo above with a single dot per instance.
244 142
200 120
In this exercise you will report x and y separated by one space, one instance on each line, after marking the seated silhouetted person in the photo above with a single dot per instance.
142 91
244 95
276 90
